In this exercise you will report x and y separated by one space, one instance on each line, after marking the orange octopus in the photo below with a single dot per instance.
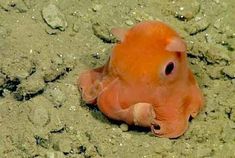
146 81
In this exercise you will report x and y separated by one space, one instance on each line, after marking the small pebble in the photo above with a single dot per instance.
124 127
76 27
54 17
97 7
96 55
233 81
129 22
230 71
56 96
39 116
184 9
64 145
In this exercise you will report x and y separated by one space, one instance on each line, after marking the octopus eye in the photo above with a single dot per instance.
169 68
156 127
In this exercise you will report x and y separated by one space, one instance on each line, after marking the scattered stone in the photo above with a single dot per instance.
54 17
57 67
69 61
233 82
18 5
30 87
185 9
217 24
212 53
229 71
53 73
229 44
222 39
76 27
17 66
39 114
51 31
91 151
214 72
96 55
63 145
103 33
196 49
4 5
43 142
124 127
196 26
223 26
97 7
129 22
56 96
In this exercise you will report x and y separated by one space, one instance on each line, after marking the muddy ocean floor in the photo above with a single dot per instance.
44 45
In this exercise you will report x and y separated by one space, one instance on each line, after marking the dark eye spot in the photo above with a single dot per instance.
156 127
169 68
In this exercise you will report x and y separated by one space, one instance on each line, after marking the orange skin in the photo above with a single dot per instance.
146 81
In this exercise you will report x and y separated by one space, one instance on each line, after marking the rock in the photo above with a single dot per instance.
97 7
92 151
18 5
69 61
4 5
184 9
56 96
211 52
214 72
41 141
39 114
229 71
63 145
124 127
129 22
224 26
54 17
103 32
76 27
16 66
53 72
56 67
197 49
31 86
196 26
51 31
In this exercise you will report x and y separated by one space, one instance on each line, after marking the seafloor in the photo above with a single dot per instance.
44 45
